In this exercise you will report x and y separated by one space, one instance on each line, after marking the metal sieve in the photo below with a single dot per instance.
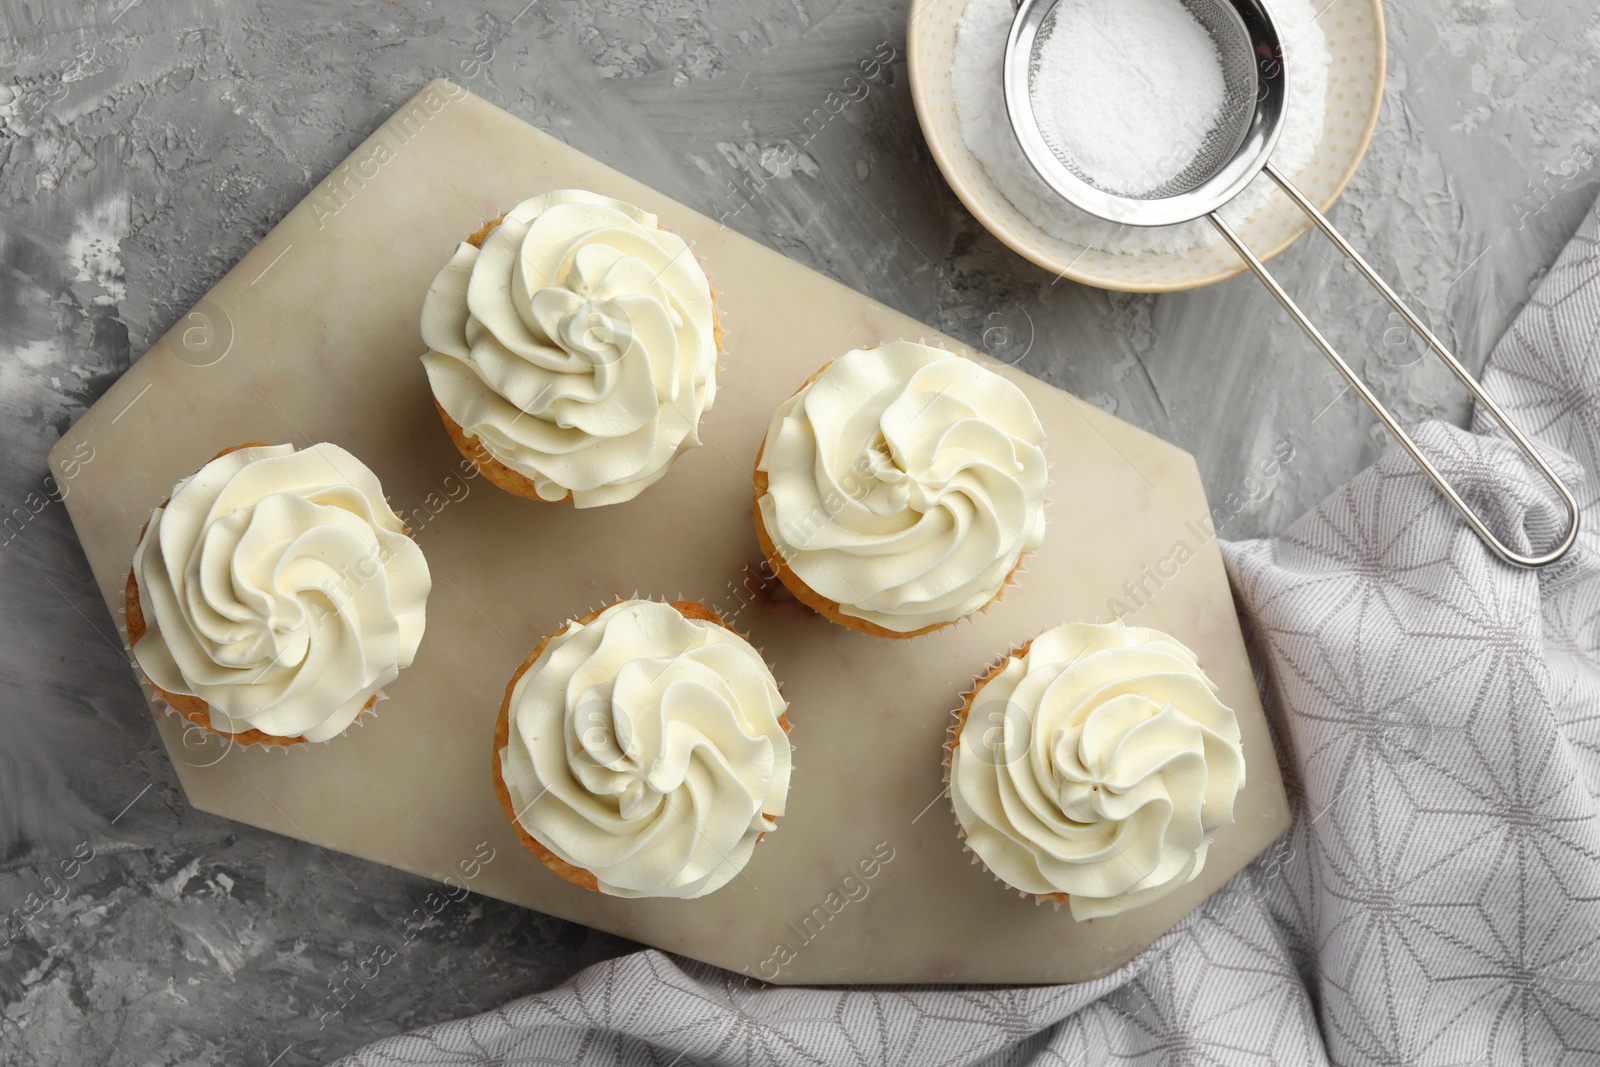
1236 149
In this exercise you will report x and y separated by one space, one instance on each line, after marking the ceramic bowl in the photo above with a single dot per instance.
1354 30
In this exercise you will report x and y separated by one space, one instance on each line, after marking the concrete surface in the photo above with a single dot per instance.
144 147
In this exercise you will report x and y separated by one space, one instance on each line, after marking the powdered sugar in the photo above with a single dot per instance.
975 80
1126 91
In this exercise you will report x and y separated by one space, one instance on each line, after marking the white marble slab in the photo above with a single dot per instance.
313 336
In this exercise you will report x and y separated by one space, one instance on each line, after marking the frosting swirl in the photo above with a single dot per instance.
904 483
647 748
1097 763
578 346
277 586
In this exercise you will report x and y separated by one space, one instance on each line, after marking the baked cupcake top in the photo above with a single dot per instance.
647 748
904 483
277 586
578 345
1096 763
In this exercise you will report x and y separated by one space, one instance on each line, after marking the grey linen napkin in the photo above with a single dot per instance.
1437 899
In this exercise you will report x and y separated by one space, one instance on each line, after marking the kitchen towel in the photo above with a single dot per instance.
1437 899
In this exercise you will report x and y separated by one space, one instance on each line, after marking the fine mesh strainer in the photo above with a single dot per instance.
1237 148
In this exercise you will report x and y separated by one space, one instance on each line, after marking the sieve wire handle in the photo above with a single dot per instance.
1479 527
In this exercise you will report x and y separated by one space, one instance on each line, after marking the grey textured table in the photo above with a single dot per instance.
145 147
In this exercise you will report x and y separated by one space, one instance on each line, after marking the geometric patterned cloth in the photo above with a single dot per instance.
1437 899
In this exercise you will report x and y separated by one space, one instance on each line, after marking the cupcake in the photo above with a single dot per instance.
274 594
642 751
572 348
1092 766
898 490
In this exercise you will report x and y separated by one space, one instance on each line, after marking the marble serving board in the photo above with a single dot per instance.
313 336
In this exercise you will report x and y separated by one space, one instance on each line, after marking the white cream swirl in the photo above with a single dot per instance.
578 346
1097 764
646 747
278 587
905 484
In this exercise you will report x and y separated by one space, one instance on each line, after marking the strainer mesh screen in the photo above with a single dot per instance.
1232 123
